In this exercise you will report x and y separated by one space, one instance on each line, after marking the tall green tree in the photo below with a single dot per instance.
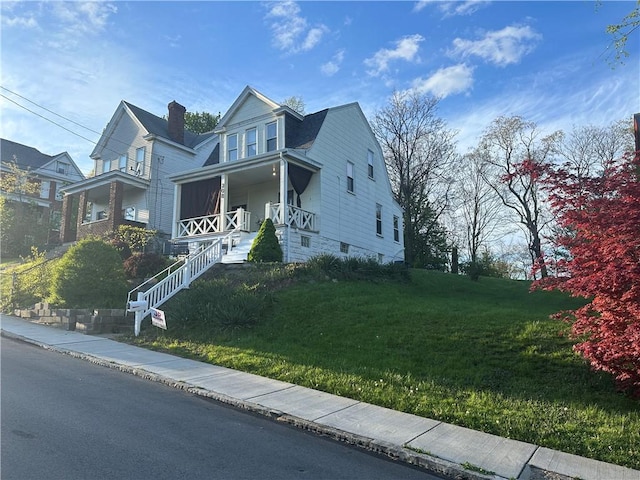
22 223
199 122
420 154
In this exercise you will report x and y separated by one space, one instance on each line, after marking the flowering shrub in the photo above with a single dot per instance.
600 222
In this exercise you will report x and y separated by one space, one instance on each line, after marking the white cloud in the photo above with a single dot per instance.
451 8
84 16
500 47
291 32
333 66
446 81
405 49
26 22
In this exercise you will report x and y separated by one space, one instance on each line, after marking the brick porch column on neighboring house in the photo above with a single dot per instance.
116 191
66 230
82 209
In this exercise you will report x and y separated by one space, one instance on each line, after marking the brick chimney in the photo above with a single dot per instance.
176 122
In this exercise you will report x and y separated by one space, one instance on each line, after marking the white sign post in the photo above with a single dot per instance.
158 319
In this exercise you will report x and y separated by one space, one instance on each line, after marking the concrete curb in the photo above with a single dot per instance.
463 449
431 464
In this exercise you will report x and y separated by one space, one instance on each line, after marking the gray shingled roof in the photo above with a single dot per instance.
302 134
26 157
160 127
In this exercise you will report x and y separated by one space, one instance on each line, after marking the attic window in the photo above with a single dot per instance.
370 163
232 147
251 141
350 184
272 137
62 168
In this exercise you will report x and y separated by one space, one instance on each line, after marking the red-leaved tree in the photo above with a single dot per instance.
599 221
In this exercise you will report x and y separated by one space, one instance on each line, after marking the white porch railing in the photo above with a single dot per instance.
238 220
173 279
296 216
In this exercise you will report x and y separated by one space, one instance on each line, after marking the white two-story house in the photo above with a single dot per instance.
132 162
320 177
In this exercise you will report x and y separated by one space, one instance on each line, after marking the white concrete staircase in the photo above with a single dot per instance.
240 248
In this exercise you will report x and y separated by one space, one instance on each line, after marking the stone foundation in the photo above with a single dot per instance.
89 321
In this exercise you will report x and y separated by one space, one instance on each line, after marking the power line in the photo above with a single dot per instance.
47 119
57 124
50 111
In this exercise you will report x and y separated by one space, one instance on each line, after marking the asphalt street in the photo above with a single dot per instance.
65 418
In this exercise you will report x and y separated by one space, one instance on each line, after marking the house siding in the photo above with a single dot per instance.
351 217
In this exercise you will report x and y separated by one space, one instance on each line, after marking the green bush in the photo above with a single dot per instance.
89 275
218 303
266 247
352 268
26 284
143 265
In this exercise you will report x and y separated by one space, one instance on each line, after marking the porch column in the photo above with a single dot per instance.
116 191
284 182
224 195
82 209
67 213
177 192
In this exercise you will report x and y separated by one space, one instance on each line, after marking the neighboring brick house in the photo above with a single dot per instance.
50 172
321 178
132 160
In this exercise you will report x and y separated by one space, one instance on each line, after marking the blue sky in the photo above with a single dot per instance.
543 60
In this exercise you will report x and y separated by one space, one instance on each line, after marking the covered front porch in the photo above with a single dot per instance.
237 196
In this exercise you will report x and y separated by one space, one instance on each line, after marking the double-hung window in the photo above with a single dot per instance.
45 189
106 166
370 163
232 147
350 183
272 136
396 228
251 142
122 163
378 219
140 161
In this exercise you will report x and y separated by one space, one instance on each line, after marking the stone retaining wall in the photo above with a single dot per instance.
90 321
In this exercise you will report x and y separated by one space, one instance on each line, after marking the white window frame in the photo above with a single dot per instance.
305 241
379 219
252 132
140 154
62 168
370 164
106 166
396 228
232 149
271 141
351 184
45 189
122 162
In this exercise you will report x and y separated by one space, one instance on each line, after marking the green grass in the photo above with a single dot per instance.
483 355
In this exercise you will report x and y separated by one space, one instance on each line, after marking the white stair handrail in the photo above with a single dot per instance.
194 266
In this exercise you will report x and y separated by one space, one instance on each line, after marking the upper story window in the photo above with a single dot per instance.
106 166
272 136
378 219
122 162
140 161
350 183
251 142
396 228
62 168
232 147
45 189
370 163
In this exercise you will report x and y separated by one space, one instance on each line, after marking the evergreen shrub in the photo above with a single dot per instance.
266 247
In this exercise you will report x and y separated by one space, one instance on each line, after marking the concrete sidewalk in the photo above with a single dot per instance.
441 448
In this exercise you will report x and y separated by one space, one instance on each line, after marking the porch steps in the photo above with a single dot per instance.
240 251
